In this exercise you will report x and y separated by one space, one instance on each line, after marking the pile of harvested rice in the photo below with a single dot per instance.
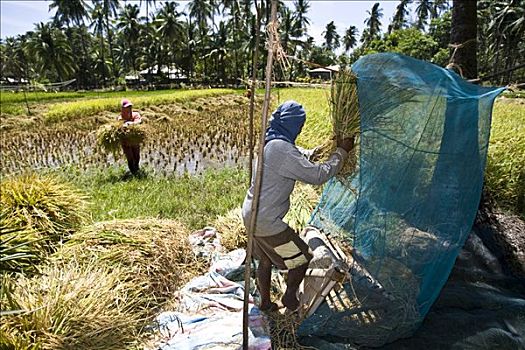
71 305
157 252
231 229
110 136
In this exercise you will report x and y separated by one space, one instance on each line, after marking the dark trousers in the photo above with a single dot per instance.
132 153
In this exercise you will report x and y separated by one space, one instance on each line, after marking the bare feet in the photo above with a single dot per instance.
270 307
290 300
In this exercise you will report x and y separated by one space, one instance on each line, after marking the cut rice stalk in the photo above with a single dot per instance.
112 135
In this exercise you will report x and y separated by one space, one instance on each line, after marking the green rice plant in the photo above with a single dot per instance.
85 108
43 207
19 247
69 305
156 252
110 136
505 170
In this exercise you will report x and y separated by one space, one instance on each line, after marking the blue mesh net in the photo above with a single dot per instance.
410 205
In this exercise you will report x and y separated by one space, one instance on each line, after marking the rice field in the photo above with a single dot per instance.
129 239
187 137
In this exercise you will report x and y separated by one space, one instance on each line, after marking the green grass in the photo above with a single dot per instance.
193 200
505 172
318 127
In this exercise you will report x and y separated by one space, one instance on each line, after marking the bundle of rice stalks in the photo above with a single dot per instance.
156 251
302 203
112 135
42 208
345 120
19 250
231 229
345 105
70 306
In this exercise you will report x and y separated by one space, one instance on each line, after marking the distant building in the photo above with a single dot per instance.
171 73
323 73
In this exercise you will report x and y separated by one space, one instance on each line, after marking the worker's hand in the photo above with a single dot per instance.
347 143
128 123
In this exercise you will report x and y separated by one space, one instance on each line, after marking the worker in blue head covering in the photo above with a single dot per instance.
275 243
286 123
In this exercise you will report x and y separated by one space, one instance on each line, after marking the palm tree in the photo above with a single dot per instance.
349 39
218 50
49 46
438 7
507 30
98 25
301 9
129 26
373 24
464 32
234 10
290 32
109 9
73 12
400 16
147 32
423 11
331 37
14 57
201 11
170 28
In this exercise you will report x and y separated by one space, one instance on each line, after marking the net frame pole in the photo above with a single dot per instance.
258 179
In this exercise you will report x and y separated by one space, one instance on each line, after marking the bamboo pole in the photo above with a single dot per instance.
252 90
258 180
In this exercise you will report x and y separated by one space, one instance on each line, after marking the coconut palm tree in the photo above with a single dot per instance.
129 26
109 10
400 16
14 57
507 29
331 37
234 11
438 7
147 32
464 32
301 9
50 48
201 11
218 50
171 29
373 24
423 12
349 39
98 27
74 12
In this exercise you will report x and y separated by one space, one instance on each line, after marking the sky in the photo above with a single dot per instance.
17 17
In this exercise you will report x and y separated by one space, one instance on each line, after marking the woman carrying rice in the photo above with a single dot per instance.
131 151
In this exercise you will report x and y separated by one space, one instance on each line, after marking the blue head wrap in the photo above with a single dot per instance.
286 122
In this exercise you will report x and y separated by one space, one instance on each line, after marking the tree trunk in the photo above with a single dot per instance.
464 29
110 40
